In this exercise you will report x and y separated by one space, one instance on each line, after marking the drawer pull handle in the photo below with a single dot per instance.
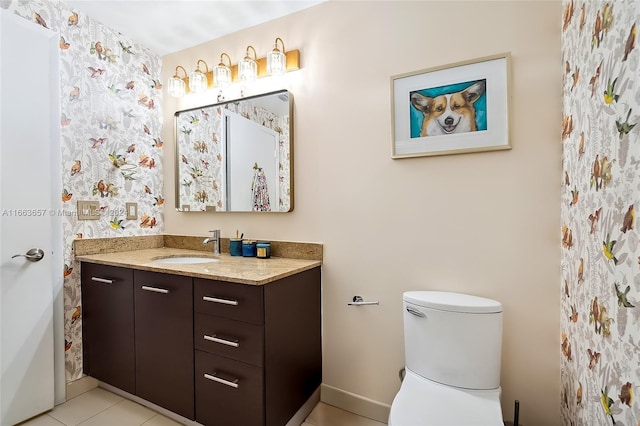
217 300
233 384
155 289
228 342
102 280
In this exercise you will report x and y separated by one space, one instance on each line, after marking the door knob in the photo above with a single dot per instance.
32 255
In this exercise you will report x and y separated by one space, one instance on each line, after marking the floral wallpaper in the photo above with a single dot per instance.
600 288
199 134
200 142
110 139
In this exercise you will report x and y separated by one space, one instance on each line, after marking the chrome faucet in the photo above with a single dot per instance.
215 239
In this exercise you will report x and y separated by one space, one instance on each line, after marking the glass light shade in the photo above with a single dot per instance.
197 81
176 87
247 70
222 75
276 62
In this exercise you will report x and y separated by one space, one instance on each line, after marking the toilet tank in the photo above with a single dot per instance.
453 338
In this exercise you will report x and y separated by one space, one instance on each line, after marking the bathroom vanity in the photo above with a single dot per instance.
231 341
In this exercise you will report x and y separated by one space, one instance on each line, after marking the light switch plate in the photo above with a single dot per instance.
132 211
88 210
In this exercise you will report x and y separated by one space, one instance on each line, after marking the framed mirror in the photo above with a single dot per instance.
236 156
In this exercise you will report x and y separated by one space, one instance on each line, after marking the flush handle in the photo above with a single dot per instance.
416 312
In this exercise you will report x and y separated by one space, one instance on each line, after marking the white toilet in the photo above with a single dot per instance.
453 343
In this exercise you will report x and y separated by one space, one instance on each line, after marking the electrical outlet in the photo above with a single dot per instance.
132 211
88 210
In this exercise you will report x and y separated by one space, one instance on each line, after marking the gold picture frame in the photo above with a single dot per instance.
452 109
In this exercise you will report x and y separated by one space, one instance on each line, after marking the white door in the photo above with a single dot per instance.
29 149
249 144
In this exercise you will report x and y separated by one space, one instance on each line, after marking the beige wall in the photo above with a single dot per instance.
484 224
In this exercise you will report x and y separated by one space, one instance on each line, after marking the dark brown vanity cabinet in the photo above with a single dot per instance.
258 349
216 352
137 333
164 340
108 346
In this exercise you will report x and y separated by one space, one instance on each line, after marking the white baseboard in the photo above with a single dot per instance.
354 403
80 386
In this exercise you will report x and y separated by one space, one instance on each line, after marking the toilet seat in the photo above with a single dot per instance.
422 402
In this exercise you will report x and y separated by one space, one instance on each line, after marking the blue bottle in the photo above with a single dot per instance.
235 247
249 248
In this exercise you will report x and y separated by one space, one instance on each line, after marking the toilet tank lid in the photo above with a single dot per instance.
453 302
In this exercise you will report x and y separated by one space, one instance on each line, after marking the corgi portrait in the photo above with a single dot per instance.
449 109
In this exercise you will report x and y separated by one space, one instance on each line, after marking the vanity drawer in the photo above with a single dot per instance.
237 340
229 300
228 392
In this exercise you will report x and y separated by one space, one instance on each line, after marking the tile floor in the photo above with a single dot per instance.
99 407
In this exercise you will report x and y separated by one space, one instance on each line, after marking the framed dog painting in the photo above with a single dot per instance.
452 109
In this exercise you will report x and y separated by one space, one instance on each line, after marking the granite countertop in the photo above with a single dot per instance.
244 270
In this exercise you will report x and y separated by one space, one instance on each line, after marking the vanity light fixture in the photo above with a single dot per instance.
198 79
248 67
222 73
176 86
277 60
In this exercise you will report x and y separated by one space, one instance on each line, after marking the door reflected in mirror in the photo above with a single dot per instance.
236 156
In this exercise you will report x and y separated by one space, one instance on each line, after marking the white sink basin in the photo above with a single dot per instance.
185 259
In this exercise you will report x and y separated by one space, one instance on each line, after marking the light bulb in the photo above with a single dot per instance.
197 81
248 67
176 87
276 60
222 75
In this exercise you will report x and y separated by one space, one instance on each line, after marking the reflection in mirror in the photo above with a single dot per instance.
236 155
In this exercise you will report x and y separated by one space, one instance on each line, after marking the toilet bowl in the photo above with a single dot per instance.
453 343
423 402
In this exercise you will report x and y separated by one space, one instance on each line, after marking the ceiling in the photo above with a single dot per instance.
167 26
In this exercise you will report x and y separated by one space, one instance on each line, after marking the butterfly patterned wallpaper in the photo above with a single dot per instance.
110 139
600 289
200 142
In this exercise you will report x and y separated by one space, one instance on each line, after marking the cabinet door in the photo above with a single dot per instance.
107 325
164 340
293 344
